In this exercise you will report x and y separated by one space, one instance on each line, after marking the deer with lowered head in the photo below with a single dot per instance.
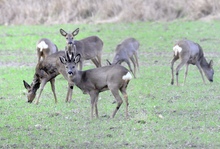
93 81
89 48
191 53
44 48
46 71
125 51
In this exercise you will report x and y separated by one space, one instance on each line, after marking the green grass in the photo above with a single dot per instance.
160 115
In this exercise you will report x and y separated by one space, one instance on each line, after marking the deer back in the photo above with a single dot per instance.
52 65
89 47
46 47
189 50
125 50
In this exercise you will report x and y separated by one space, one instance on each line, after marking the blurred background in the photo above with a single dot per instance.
33 12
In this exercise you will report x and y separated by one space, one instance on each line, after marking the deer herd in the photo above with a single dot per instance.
113 77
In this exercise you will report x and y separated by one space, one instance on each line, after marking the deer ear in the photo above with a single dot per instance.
62 32
26 85
74 33
62 60
211 63
77 58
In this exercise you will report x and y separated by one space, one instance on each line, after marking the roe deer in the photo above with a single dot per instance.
125 51
88 48
191 53
44 48
46 71
94 81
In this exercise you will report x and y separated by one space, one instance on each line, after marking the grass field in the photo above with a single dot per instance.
160 115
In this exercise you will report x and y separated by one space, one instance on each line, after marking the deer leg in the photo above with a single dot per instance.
43 83
200 70
94 60
136 58
129 65
124 93
134 63
38 54
52 82
96 107
172 63
69 93
182 63
94 100
39 59
186 72
99 57
118 99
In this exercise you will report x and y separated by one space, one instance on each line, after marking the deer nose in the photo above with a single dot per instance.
70 72
70 42
211 80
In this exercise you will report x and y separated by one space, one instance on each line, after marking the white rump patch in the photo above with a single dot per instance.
177 49
42 45
128 76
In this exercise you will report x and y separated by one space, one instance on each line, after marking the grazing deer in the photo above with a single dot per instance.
94 81
45 47
127 50
89 48
191 53
46 71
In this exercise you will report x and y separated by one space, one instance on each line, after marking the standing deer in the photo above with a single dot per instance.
88 48
114 78
125 51
45 47
46 71
191 53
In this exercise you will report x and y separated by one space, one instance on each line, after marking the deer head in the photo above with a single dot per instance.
69 36
70 62
208 70
32 89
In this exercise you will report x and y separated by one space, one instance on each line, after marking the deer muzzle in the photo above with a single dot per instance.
70 43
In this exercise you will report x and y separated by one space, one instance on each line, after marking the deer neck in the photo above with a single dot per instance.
204 64
35 84
76 78
70 49
81 81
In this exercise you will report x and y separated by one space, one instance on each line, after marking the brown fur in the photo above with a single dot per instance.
89 48
46 71
191 53
94 81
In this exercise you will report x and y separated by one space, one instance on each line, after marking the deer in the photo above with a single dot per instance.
125 51
93 81
190 52
46 71
44 48
89 48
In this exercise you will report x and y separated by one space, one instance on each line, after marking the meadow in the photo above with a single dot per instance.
161 115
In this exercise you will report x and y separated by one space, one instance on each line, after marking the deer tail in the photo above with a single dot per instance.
127 77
